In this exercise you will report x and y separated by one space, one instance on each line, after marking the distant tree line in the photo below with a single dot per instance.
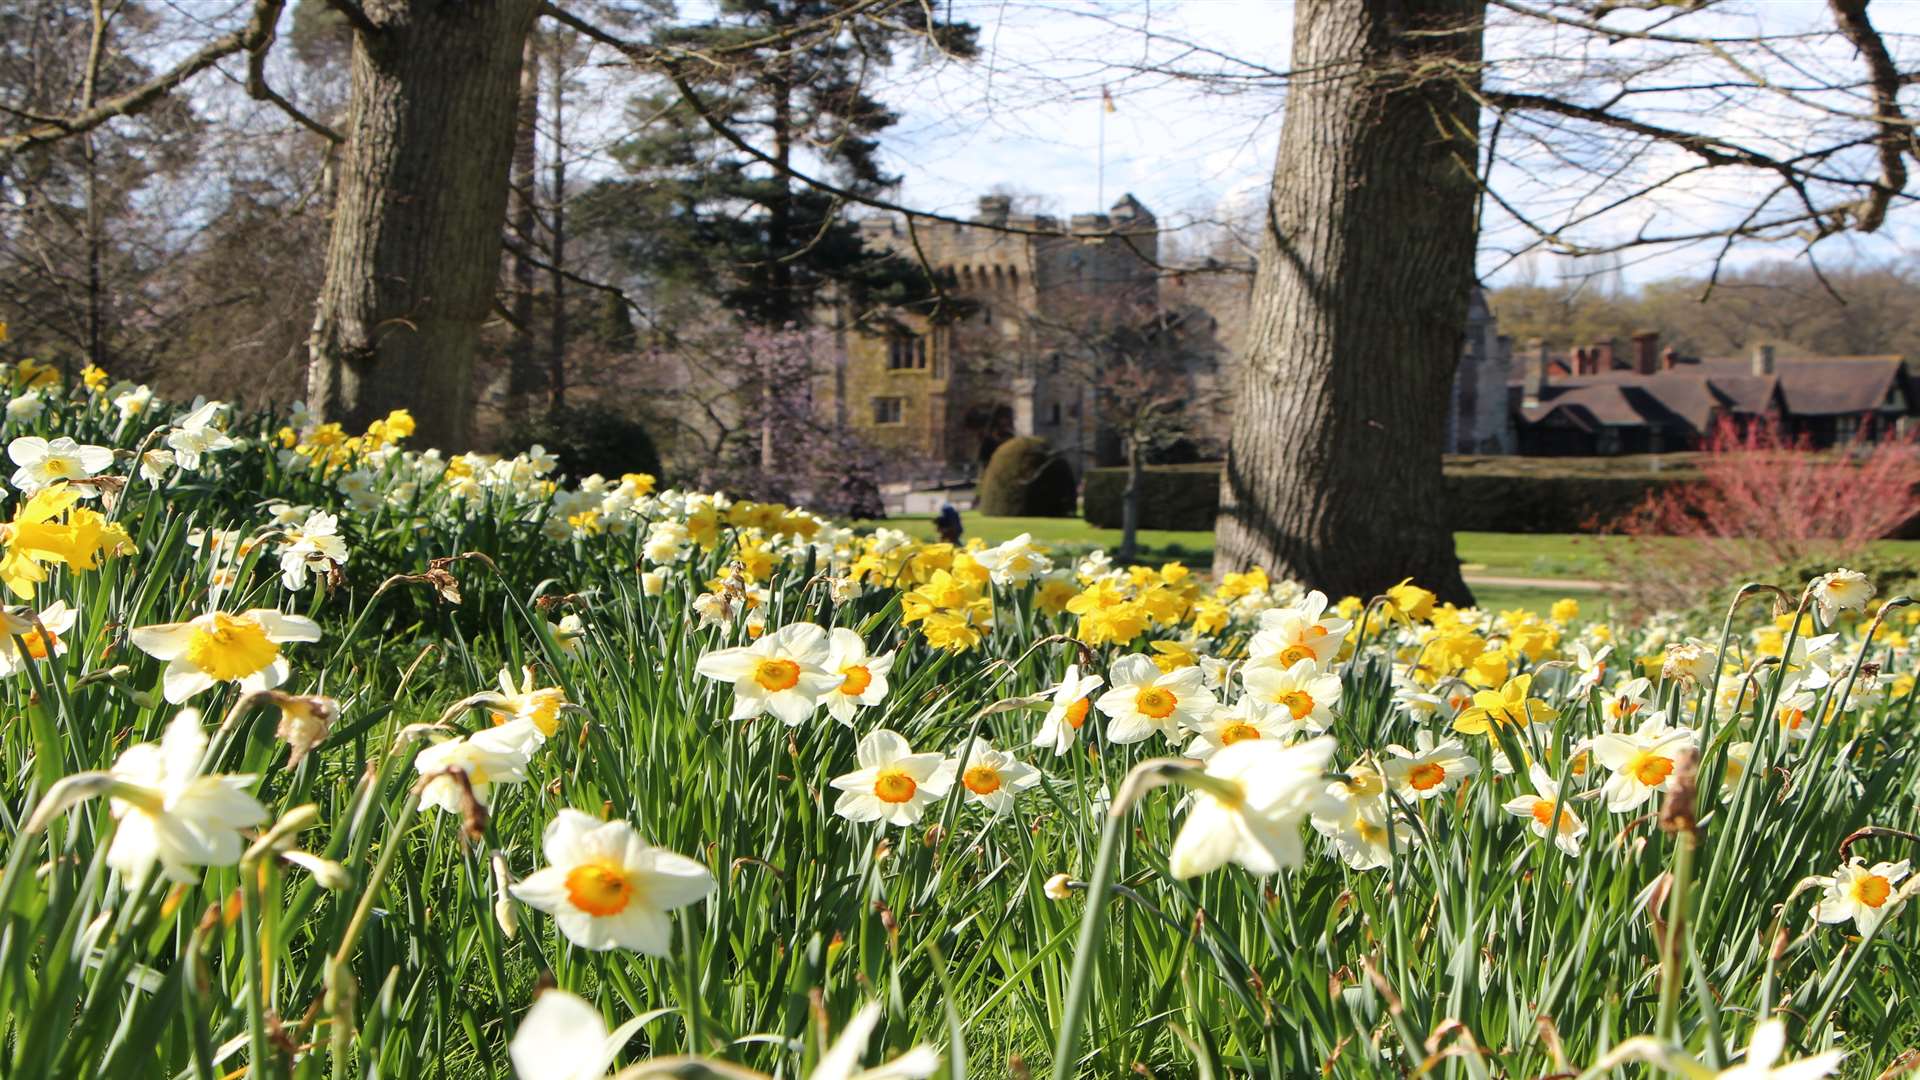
1843 312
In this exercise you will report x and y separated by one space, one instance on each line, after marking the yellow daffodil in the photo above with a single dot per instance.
1511 704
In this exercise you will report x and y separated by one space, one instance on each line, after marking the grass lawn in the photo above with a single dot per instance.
1483 554
1496 554
1156 545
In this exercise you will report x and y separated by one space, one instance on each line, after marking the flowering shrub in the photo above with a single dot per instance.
1765 499
330 754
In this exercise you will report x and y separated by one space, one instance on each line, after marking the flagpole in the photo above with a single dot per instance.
1100 183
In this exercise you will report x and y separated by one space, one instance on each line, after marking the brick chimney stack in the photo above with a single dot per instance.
1534 379
1601 355
1646 352
1763 359
1581 361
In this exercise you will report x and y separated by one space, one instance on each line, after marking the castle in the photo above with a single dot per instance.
1044 302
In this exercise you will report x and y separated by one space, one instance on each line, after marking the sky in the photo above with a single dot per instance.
1026 116
1198 99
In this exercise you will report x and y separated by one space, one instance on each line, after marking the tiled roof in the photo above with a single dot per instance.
1823 385
1688 394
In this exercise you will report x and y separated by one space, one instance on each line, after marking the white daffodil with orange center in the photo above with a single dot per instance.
169 814
991 777
1642 762
221 647
1143 699
1356 817
607 888
1067 713
26 642
1244 719
1430 768
1797 711
1304 631
864 676
893 784
1549 813
1270 788
1865 894
1841 590
1301 693
42 462
539 706
783 673
498 755
1622 706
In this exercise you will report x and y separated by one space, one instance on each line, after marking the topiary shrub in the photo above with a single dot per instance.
1026 478
591 439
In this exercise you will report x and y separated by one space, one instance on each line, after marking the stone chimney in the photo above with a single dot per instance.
1646 352
1763 359
1603 352
1534 380
994 209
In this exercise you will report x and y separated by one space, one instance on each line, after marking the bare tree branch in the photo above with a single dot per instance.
1896 139
259 28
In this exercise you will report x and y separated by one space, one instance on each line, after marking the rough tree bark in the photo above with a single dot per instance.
1359 305
415 253
557 227
523 371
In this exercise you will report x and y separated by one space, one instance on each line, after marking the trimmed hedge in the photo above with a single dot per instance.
1171 496
1026 478
1490 494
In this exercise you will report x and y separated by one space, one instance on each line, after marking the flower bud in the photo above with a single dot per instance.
331 875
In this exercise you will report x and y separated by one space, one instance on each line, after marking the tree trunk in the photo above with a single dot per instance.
557 278
1359 305
523 372
415 253
1130 505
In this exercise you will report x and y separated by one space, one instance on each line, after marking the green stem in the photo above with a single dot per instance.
1066 1047
1670 953
340 991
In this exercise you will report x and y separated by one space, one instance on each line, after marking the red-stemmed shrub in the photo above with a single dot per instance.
1765 499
